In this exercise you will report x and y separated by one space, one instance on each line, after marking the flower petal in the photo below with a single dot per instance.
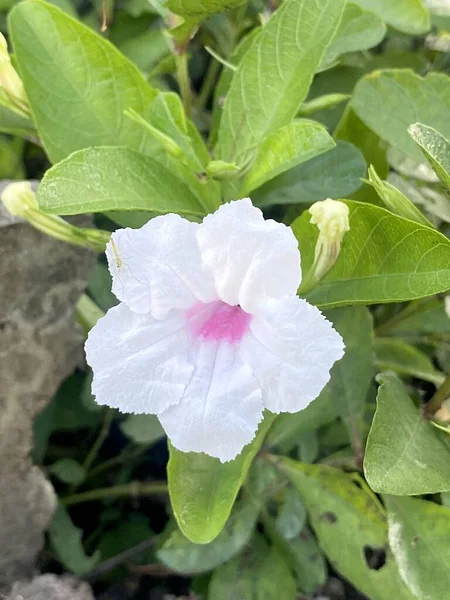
291 348
139 364
221 407
249 258
158 267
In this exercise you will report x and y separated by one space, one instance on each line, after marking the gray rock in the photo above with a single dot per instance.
40 281
51 587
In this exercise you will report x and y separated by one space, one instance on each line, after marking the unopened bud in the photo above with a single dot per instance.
331 218
219 169
20 200
11 86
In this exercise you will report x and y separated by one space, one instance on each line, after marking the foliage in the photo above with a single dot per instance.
142 108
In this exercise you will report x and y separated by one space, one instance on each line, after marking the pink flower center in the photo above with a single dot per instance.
218 321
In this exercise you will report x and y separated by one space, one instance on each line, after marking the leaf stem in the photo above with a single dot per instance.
133 489
92 454
208 83
184 81
441 395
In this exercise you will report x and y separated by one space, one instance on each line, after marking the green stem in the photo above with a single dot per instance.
405 313
208 83
442 394
117 460
92 455
133 489
184 82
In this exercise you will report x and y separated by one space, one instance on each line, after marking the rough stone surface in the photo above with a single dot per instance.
51 587
40 282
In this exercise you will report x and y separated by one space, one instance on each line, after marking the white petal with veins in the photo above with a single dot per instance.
158 267
291 348
140 365
221 407
249 258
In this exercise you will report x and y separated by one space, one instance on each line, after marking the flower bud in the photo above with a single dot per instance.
331 218
11 86
20 200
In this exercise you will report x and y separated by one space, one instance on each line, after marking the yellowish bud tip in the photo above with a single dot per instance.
331 217
19 198
10 80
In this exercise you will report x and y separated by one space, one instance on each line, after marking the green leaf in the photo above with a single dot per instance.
429 316
65 539
351 376
409 16
334 174
287 147
203 490
14 124
405 454
259 573
224 82
395 201
383 258
289 426
351 129
358 30
201 9
436 149
80 74
338 504
418 535
142 429
275 74
68 470
291 516
110 178
183 556
399 356
309 564
392 100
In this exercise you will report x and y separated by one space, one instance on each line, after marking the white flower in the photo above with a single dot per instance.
209 331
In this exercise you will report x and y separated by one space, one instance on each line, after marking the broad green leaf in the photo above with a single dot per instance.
351 527
351 129
409 16
183 556
334 174
291 516
14 124
286 148
392 100
203 490
351 376
289 426
65 539
78 83
275 74
309 564
359 30
399 356
383 258
405 454
259 573
201 9
419 531
142 429
224 82
111 178
395 200
436 149
167 115
428 317
68 470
